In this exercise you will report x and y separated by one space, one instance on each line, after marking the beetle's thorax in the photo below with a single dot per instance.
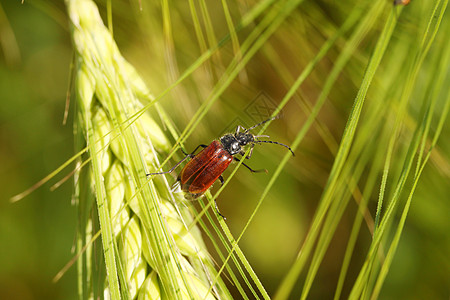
230 143
233 143
244 138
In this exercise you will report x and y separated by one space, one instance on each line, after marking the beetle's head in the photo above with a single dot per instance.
244 138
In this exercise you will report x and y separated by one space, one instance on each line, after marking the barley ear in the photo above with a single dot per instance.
147 251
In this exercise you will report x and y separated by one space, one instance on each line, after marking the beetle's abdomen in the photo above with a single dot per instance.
203 169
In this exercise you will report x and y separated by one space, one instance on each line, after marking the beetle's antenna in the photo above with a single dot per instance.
272 142
259 124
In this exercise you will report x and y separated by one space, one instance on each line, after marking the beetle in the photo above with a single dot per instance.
204 168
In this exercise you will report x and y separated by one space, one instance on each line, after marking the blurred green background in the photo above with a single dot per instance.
37 233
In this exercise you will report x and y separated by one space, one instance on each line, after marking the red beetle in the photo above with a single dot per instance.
207 166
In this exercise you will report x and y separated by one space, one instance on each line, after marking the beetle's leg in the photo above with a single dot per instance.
249 154
178 163
251 170
215 203
195 150
218 211
184 152
171 170
239 129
